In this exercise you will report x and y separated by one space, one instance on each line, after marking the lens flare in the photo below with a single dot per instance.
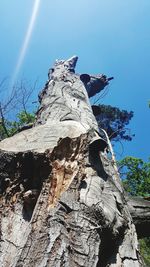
26 40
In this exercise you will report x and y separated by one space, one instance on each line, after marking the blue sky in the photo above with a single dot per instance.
109 36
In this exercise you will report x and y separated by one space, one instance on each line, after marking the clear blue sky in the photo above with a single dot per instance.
109 36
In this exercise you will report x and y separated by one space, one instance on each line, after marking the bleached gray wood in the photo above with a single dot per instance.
61 201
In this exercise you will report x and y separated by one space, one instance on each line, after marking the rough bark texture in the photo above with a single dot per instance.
62 202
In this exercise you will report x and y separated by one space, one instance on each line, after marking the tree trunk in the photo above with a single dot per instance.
62 202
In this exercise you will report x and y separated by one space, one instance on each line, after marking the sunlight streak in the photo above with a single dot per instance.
26 41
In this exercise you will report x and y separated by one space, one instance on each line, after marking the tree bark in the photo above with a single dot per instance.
62 202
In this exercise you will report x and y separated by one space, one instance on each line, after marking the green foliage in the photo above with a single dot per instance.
135 174
2 132
145 249
23 118
113 121
136 179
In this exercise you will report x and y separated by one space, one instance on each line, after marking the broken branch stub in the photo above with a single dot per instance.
60 203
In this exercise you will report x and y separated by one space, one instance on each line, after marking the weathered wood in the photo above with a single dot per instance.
62 203
140 211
